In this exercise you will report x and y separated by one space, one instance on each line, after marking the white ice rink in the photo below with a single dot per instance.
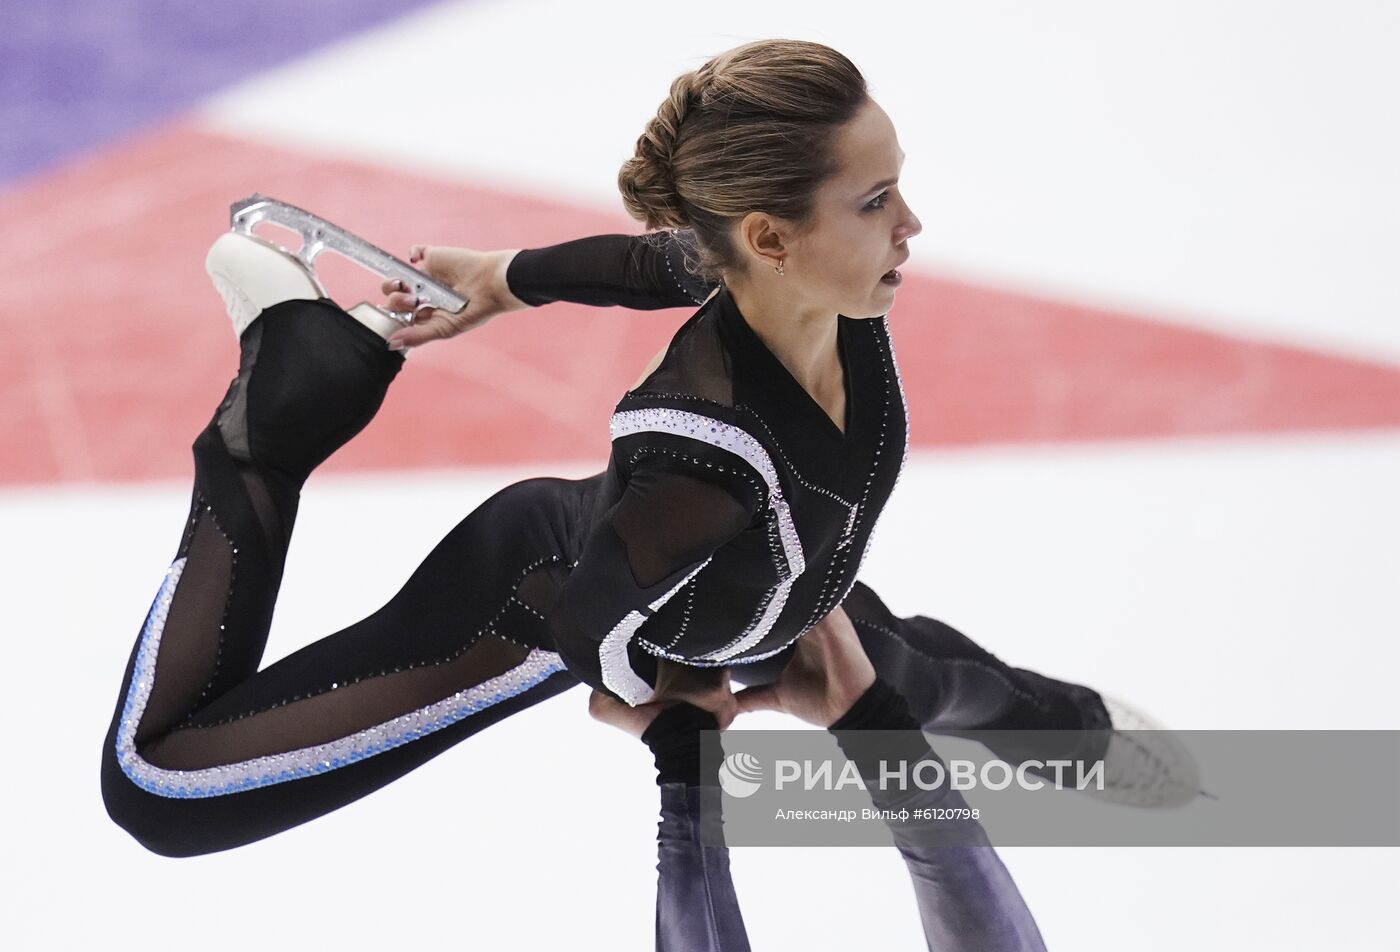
1224 584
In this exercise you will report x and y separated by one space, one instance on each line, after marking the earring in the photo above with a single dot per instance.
779 267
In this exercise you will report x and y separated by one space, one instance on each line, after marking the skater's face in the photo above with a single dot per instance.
859 231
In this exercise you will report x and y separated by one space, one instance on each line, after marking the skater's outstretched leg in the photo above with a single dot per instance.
952 684
206 752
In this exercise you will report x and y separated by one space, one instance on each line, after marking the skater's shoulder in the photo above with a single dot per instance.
695 367
695 441
674 420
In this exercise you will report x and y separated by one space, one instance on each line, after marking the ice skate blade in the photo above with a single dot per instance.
251 275
320 235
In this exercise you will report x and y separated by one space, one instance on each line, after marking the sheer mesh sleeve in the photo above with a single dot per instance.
671 517
642 272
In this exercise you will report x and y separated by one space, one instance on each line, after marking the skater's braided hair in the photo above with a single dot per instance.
751 130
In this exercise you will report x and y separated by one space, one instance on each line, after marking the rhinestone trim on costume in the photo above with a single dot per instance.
904 406
735 440
618 675
295 764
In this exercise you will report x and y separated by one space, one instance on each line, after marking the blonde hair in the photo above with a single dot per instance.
751 130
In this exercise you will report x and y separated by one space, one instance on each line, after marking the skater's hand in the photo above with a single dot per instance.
707 688
479 276
828 673
632 720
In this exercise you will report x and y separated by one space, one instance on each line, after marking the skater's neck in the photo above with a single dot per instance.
802 335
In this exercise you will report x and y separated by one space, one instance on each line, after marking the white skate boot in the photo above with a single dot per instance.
1148 766
252 273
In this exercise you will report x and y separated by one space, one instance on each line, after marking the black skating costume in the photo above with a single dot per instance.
732 516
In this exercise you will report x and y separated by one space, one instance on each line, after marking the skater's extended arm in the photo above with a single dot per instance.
642 272
674 512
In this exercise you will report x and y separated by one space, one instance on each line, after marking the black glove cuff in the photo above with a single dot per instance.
880 708
899 736
674 739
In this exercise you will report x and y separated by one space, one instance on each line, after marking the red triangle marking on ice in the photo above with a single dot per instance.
114 349
983 365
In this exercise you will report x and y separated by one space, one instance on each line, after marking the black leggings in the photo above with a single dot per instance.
206 752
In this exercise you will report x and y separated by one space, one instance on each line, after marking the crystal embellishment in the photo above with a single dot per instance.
738 441
307 761
617 671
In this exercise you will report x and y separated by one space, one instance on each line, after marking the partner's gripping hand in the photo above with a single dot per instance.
828 672
630 720
479 276
707 688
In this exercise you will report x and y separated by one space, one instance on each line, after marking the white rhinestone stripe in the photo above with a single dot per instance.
618 675
295 764
904 408
903 401
735 440
757 633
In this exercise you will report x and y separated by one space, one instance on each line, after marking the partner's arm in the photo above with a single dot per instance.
697 909
966 897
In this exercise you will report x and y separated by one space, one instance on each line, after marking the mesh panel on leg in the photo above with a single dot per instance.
337 713
325 692
189 652
276 526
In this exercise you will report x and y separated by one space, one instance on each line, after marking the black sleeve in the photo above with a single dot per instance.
643 272
673 514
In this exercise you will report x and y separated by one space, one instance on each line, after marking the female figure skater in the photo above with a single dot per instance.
747 471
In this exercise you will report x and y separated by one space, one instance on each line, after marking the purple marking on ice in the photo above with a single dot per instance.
77 74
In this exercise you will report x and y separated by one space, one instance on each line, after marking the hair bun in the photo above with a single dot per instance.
752 129
647 180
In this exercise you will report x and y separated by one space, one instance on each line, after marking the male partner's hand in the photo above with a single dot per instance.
631 720
828 672
479 276
706 688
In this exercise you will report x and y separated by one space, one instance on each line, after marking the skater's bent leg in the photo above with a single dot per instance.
204 751
953 684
